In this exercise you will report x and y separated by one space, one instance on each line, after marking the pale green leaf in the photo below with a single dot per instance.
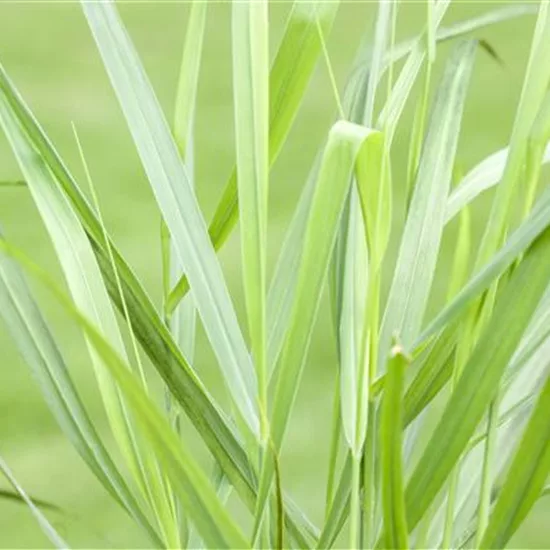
345 141
250 84
419 248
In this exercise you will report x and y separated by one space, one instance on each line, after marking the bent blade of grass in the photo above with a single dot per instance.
526 477
345 141
178 204
41 519
181 379
514 308
250 84
36 344
290 74
419 248
391 432
205 509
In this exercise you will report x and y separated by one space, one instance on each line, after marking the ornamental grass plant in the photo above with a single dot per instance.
440 432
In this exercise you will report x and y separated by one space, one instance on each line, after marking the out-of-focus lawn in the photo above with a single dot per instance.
47 50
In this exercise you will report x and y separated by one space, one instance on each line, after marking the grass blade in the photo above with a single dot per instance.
45 525
178 204
461 28
422 234
184 114
393 495
14 496
526 234
345 141
525 479
250 83
395 104
482 177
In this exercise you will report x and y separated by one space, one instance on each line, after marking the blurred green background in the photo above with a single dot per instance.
47 50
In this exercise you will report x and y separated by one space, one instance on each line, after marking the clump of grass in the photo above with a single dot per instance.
484 354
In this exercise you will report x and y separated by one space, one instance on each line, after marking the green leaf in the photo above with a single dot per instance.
290 74
345 141
14 496
178 204
251 83
391 433
41 519
419 248
526 477
480 378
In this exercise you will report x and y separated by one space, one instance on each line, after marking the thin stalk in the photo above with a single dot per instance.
486 478
354 541
334 448
332 78
417 133
369 479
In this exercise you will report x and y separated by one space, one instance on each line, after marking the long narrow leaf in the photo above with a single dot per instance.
526 477
419 248
250 82
178 204
344 143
